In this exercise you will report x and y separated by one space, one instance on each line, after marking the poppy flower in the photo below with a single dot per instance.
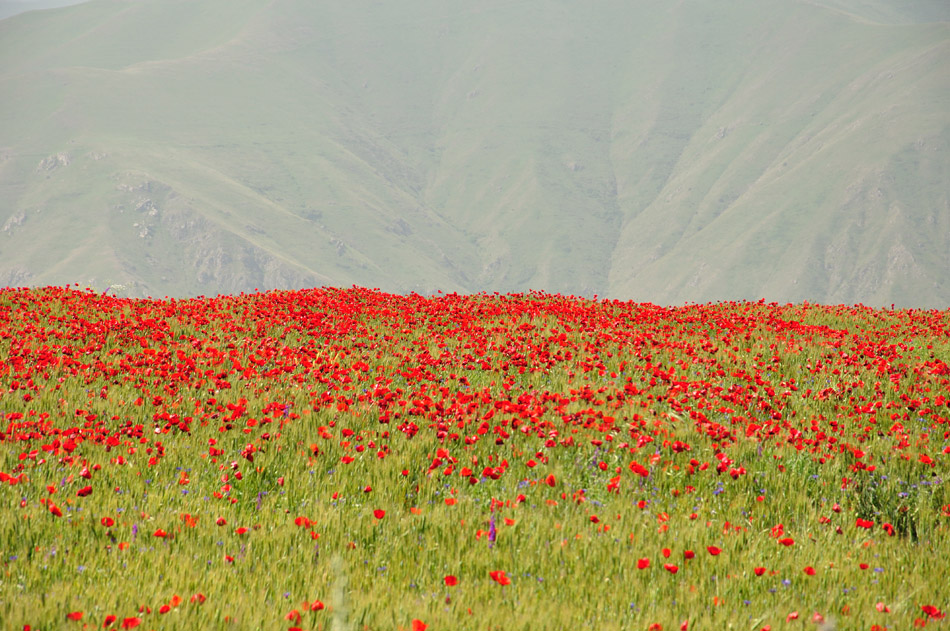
379 513
888 528
713 550
54 509
550 480
500 577
159 533
643 564
84 491
759 571
933 612
108 522
669 567
74 615
864 523
131 623
451 581
809 570
419 625
787 541
689 554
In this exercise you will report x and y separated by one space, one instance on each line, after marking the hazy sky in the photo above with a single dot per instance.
12 7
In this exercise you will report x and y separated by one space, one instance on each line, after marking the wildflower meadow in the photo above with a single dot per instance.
351 459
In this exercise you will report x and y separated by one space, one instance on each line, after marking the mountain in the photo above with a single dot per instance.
649 150
12 7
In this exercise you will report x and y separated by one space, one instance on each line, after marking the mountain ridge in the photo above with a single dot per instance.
667 153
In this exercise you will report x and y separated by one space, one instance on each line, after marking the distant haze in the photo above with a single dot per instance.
12 7
648 150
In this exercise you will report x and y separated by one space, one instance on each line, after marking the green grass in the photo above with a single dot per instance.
567 569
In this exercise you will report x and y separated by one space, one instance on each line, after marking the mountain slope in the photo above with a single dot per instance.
648 150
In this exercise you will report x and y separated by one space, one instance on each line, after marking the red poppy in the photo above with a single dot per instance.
419 625
108 621
665 552
54 509
131 623
108 522
809 570
159 533
500 577
379 513
864 523
933 612
888 528
643 564
759 571
669 567
689 554
787 541
550 480
713 550
74 615
84 491
451 581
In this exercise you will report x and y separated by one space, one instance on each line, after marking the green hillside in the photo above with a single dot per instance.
649 150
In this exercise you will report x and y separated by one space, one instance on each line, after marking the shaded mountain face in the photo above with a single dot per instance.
654 151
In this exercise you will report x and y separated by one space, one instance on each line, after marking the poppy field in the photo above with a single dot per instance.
351 459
